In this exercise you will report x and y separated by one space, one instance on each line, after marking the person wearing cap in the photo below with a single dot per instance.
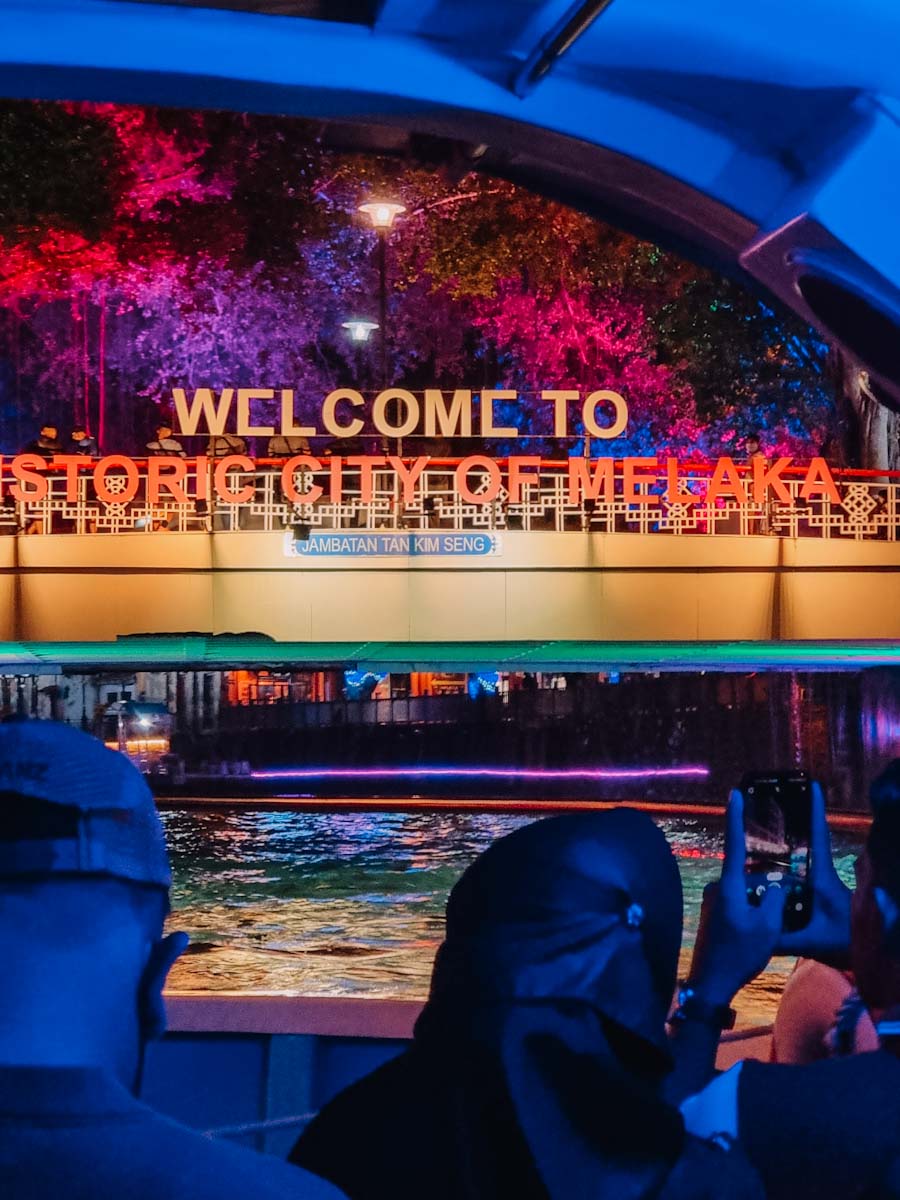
84 443
165 444
46 444
84 880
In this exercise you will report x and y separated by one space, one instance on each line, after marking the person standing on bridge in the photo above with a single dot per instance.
84 881
84 443
221 445
165 444
753 449
45 445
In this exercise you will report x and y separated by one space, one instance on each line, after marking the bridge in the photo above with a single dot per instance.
558 564
691 125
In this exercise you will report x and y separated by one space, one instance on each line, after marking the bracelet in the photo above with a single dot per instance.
692 1007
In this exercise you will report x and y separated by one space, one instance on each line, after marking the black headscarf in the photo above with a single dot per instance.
557 974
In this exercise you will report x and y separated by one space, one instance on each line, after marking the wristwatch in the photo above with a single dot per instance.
692 1007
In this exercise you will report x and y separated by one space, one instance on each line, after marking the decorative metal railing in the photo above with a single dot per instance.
864 505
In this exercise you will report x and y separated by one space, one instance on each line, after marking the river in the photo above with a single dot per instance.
351 904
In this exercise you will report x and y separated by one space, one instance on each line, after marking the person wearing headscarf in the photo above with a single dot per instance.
537 1064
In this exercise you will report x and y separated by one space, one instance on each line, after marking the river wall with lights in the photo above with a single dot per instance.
599 587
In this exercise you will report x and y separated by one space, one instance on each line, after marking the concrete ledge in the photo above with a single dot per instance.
317 1016
258 1066
354 1017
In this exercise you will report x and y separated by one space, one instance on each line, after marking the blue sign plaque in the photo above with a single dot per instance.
345 544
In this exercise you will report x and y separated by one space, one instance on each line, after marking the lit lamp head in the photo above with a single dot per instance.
382 213
359 330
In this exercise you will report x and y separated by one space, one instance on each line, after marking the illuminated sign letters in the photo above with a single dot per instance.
393 412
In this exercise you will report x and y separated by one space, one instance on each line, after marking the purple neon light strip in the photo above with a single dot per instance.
484 773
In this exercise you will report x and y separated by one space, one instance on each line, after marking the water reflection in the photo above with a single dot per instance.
353 903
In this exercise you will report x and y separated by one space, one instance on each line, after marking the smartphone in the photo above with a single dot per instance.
777 825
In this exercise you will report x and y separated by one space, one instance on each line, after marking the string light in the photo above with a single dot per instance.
534 773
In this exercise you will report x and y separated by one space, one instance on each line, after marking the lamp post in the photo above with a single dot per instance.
382 214
360 330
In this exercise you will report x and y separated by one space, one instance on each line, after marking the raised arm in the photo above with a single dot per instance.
735 940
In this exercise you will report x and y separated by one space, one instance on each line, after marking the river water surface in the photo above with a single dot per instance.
352 904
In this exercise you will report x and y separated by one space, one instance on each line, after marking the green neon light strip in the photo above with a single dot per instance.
228 650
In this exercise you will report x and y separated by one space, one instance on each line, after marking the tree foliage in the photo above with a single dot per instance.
142 249
61 169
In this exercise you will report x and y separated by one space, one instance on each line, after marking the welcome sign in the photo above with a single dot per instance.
477 479
393 412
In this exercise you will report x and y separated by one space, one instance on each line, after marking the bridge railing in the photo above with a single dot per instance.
865 505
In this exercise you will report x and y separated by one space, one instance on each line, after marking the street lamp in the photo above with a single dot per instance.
382 214
359 330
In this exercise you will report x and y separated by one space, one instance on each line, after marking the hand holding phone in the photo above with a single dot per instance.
777 814
735 939
827 936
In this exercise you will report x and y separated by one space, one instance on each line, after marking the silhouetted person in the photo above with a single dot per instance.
220 445
820 1015
165 443
537 1063
284 446
84 883
829 1130
46 444
83 443
753 449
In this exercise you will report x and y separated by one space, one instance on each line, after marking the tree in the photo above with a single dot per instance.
585 342
217 327
61 168
869 429
751 368
170 248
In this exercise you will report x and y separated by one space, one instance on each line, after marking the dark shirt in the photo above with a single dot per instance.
168 446
418 1128
43 447
438 1157
221 445
827 1130
72 1133
286 447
